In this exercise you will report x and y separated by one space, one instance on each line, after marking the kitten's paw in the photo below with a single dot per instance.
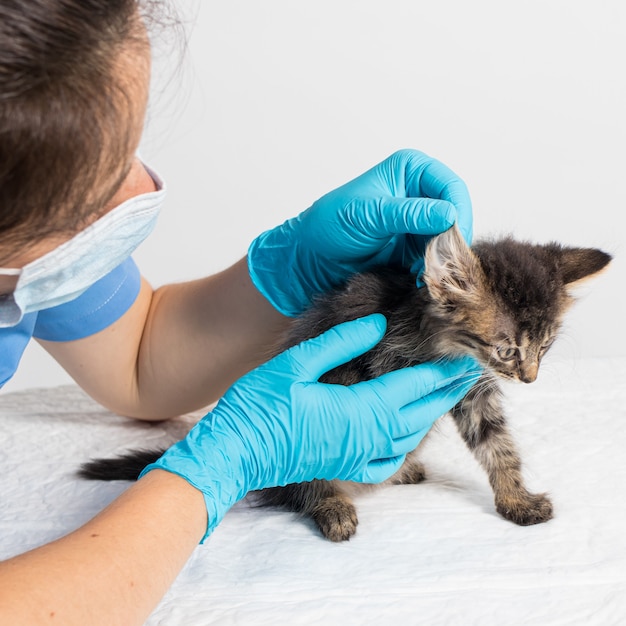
531 509
336 518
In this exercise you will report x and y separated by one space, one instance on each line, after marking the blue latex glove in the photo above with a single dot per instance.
384 216
278 425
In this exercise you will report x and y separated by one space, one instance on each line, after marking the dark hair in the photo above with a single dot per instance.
64 111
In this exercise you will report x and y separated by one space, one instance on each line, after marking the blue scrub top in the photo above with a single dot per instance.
98 307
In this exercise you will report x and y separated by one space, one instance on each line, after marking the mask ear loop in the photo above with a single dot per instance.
8 282
158 181
10 312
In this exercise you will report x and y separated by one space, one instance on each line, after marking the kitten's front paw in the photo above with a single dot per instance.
336 518
531 509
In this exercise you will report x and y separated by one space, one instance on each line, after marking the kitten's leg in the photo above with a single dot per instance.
331 509
481 422
411 472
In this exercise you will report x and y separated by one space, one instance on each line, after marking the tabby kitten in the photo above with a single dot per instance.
500 301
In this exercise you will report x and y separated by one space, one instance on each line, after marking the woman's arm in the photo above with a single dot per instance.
114 569
178 348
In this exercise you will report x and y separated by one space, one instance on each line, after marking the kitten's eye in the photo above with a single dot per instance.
507 353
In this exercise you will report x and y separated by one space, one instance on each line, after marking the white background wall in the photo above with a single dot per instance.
277 102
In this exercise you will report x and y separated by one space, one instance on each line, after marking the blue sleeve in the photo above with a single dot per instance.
98 307
13 341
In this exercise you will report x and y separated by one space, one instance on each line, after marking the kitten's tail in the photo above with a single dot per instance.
124 467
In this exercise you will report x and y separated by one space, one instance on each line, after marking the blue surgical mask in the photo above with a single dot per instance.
70 269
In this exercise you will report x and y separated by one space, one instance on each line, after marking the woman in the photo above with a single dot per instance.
75 201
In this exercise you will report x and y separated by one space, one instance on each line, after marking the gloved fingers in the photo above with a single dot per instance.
338 345
380 470
433 179
404 386
391 174
382 217
419 416
404 445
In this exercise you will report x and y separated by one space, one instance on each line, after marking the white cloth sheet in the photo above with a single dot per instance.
435 553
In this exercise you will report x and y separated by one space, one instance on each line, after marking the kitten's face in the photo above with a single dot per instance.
503 301
506 351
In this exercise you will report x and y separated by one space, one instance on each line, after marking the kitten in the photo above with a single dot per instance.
501 302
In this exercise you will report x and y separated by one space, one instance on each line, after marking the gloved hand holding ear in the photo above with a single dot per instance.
386 215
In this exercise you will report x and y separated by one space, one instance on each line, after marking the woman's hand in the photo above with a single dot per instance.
386 215
279 425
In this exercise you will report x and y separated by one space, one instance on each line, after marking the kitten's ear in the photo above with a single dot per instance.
579 263
452 271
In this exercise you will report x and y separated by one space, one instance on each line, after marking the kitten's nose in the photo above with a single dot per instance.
528 372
